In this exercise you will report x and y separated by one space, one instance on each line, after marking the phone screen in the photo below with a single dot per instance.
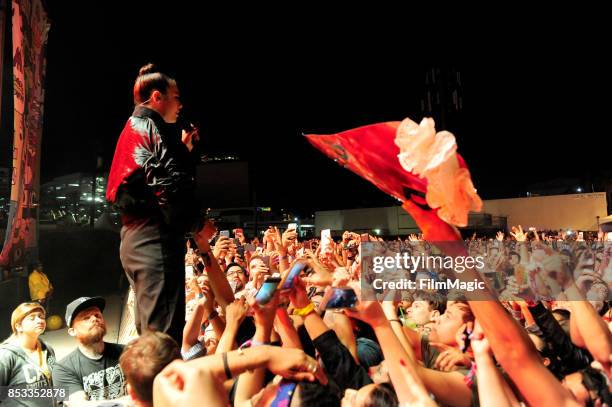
326 234
293 273
338 298
225 233
266 292
266 260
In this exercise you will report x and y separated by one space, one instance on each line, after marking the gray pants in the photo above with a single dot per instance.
153 258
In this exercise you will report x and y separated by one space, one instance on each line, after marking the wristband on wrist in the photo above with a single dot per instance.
304 311
228 372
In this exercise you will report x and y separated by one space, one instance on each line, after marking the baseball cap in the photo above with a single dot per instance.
80 304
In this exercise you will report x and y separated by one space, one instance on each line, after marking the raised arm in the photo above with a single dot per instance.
218 283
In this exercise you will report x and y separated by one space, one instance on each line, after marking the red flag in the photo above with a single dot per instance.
370 152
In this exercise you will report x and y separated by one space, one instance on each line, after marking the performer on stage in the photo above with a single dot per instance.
152 183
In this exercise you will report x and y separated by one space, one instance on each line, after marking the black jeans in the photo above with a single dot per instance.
153 257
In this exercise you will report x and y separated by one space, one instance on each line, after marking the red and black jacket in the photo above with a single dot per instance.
153 173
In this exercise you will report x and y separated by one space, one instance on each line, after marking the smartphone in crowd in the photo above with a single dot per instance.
339 298
225 233
308 245
240 251
250 247
267 290
266 260
326 240
292 226
295 271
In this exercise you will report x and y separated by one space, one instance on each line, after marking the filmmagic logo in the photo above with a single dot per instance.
414 263
429 285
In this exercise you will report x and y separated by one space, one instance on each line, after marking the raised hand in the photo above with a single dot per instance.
480 344
236 311
288 238
189 137
222 246
321 276
450 358
207 300
294 364
518 234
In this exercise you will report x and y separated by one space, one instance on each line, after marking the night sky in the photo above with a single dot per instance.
532 111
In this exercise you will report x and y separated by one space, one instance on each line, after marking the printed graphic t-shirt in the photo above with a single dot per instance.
100 379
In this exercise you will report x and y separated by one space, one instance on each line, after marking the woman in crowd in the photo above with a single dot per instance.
26 360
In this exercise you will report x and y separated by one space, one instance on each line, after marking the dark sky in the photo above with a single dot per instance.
533 111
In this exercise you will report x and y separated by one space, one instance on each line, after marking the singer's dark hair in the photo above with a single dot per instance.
150 79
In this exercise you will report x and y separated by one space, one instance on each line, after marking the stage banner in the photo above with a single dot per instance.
29 28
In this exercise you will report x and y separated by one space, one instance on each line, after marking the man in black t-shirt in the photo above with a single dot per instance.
92 371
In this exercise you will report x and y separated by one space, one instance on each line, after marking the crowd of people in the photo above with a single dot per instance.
417 348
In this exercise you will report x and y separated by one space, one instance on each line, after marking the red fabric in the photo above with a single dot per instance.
124 161
371 153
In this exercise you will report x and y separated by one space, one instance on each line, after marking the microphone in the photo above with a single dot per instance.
189 127
186 124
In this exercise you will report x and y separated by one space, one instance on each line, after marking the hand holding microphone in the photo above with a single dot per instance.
190 133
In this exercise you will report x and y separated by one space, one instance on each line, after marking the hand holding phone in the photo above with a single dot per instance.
266 261
326 241
295 271
339 298
240 251
267 290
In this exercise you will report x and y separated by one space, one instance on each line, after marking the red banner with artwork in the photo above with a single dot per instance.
29 28
412 163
